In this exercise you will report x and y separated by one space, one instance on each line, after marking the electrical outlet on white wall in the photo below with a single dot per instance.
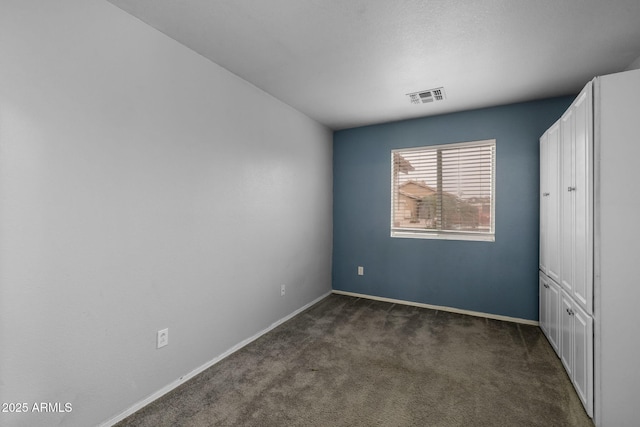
163 337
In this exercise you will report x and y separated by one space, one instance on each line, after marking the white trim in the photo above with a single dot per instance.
442 308
597 251
421 234
166 389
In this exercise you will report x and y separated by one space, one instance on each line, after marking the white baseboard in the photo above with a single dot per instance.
207 365
442 308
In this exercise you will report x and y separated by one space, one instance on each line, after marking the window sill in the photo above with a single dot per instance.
443 236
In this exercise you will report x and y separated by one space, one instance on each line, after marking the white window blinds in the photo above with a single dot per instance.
444 191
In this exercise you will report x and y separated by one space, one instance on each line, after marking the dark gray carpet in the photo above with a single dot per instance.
355 362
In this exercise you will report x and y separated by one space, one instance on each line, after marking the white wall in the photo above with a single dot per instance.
141 187
635 65
617 292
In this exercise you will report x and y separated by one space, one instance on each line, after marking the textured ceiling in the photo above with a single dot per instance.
348 63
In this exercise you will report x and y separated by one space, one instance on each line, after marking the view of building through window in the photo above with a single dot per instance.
444 189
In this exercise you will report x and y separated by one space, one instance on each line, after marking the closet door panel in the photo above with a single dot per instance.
567 144
583 357
553 315
553 203
544 197
544 310
582 267
566 334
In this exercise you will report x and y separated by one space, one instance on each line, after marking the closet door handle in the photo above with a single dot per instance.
571 188
546 194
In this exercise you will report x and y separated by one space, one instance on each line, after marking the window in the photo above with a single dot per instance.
444 191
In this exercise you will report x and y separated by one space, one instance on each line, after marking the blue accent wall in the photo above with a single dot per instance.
498 277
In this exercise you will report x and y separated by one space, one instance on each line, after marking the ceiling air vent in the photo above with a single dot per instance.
426 96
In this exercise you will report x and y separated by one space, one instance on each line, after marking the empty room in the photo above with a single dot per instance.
319 213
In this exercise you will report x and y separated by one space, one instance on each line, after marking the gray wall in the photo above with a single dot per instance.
141 187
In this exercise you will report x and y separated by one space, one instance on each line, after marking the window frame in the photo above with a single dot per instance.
422 233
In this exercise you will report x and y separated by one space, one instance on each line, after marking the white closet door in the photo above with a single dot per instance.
567 208
544 165
583 357
544 305
550 311
553 315
566 333
583 224
544 197
553 203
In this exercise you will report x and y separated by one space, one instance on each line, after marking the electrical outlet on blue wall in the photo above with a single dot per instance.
498 277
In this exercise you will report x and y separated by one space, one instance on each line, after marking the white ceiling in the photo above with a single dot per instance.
348 63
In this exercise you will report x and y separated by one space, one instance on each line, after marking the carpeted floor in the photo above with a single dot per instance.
355 362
